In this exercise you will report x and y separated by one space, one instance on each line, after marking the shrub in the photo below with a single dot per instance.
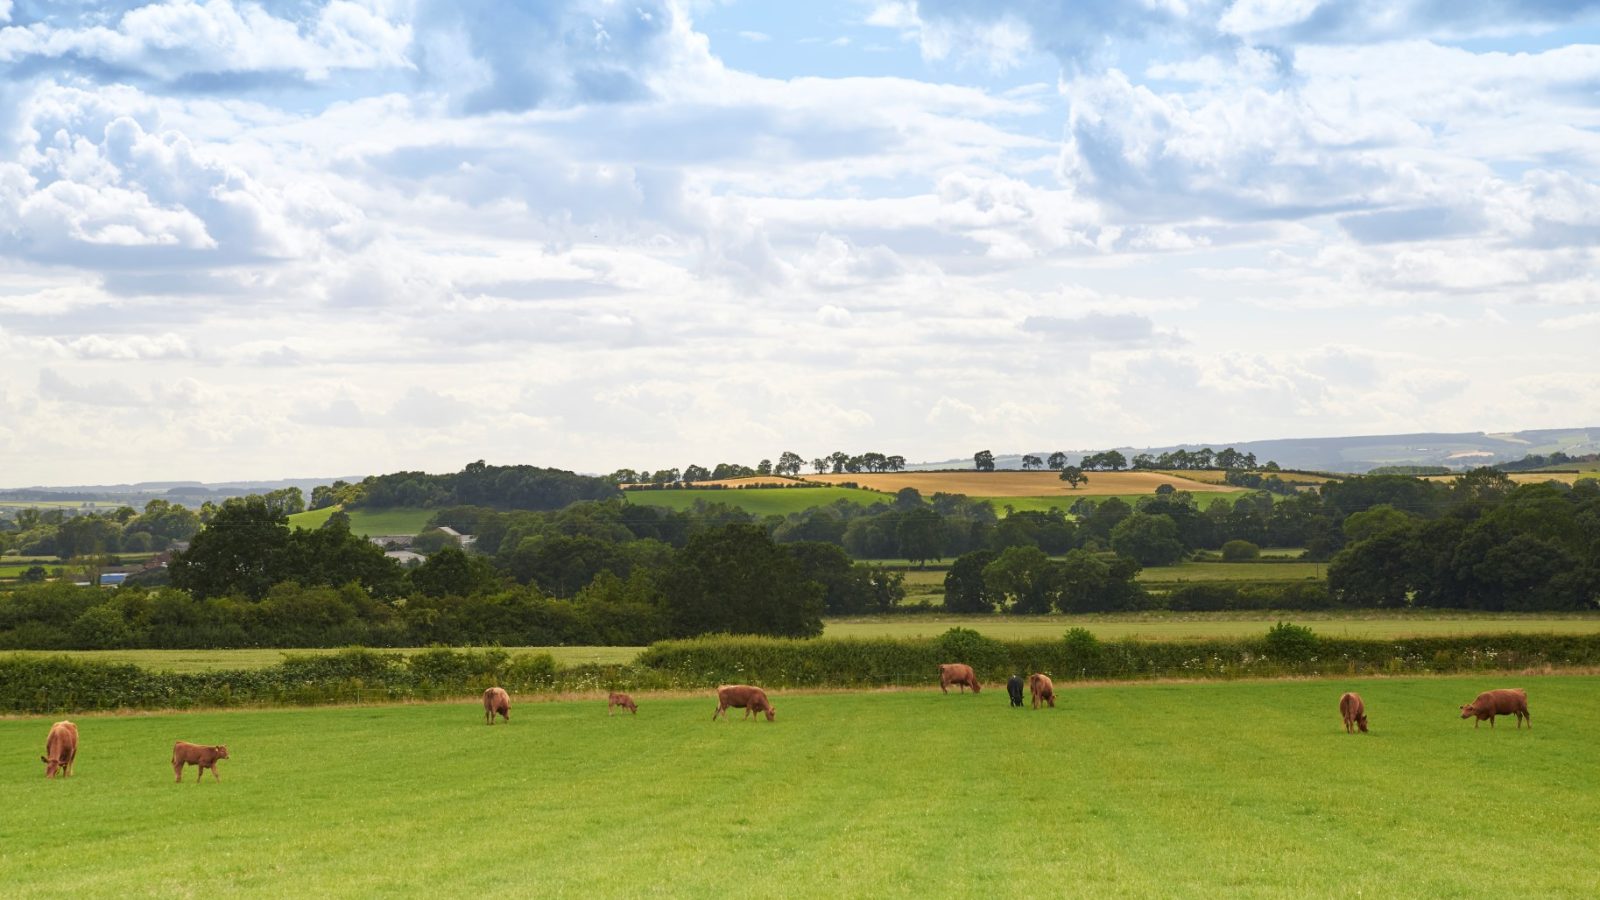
1290 642
1240 551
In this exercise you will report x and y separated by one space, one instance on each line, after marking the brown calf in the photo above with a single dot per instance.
1354 713
959 674
1042 689
743 696
1501 702
60 749
185 753
496 701
614 700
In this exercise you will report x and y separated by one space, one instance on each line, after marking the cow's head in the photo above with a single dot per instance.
50 766
976 687
1361 723
222 751
1468 711
771 713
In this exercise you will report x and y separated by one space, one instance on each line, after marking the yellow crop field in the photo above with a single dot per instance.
1013 483
1528 477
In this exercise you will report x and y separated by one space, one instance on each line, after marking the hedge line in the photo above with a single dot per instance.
51 684
854 662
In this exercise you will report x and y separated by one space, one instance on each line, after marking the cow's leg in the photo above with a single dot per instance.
177 769
214 775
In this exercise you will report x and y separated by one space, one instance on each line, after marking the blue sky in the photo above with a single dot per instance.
303 237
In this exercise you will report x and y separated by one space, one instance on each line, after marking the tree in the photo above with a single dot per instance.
922 536
1058 460
1030 461
895 463
764 467
241 550
983 461
736 579
820 464
1073 476
1026 578
1165 490
789 463
693 473
1152 540
965 590
1089 583
847 589
454 573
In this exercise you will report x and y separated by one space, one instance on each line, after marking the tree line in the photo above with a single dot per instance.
788 463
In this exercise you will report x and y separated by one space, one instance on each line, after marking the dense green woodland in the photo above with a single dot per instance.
605 571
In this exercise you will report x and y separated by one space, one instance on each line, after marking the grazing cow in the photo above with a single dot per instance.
959 674
743 696
185 753
1042 688
614 700
1499 703
496 701
1014 688
1354 713
60 749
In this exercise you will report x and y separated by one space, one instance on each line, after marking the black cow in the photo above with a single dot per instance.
1014 688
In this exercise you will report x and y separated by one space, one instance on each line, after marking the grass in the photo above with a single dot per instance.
1137 791
1062 502
209 660
1235 571
1198 626
401 520
759 501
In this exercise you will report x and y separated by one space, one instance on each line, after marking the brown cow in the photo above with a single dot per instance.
614 700
496 700
1042 688
1354 713
60 749
1502 702
185 753
959 674
743 696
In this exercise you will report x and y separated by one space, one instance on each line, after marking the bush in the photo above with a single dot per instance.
1240 551
1291 642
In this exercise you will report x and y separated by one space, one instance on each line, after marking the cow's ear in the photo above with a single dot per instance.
44 760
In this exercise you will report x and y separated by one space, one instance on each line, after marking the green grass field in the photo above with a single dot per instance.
1197 626
760 501
363 521
1235 571
1165 790
1063 502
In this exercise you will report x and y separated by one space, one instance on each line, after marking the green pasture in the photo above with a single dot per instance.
759 501
401 520
1161 790
1159 626
1063 502
1253 572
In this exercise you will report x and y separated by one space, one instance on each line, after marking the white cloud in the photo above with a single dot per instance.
569 233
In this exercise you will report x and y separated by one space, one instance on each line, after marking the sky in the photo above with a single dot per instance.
297 238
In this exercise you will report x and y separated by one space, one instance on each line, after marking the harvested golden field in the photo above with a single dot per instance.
1217 476
1527 477
1013 483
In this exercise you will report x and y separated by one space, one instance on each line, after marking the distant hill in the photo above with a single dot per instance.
188 493
1359 454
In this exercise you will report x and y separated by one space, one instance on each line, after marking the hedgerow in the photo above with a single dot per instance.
49 684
